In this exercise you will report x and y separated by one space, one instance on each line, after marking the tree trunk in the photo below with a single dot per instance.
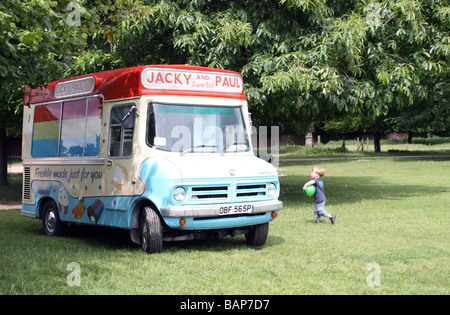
3 158
409 137
376 142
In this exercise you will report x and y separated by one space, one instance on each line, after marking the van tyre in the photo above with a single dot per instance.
151 231
258 235
51 224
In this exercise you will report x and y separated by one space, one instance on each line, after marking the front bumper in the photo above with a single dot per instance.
211 210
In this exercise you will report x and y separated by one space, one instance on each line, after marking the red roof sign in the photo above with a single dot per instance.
143 80
190 80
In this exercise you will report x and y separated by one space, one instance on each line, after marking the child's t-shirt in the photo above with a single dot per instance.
319 196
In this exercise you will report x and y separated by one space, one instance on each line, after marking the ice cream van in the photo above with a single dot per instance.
163 151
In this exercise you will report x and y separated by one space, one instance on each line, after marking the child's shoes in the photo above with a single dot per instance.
333 218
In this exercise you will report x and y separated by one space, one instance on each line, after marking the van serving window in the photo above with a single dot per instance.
46 130
67 129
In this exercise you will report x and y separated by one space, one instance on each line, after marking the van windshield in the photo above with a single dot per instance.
195 128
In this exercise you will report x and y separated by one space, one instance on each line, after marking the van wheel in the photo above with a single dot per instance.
51 224
151 231
258 235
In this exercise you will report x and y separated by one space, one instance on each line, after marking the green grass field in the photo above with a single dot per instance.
393 223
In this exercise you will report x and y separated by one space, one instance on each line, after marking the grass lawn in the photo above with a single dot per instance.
393 223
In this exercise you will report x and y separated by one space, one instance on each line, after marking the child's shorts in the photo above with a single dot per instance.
319 210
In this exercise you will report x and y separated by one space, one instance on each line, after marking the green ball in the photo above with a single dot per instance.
310 190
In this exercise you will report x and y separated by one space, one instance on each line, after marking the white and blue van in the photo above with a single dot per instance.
163 151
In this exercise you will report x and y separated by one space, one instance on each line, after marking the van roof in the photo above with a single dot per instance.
143 80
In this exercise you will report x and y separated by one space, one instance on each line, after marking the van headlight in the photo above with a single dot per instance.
179 194
271 190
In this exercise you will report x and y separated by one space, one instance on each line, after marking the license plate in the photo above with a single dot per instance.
239 208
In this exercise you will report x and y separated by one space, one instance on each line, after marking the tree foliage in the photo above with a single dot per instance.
300 58
431 114
37 44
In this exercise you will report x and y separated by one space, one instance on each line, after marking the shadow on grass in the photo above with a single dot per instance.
222 244
424 141
102 237
106 238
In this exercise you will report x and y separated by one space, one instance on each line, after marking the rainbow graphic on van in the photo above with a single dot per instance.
67 129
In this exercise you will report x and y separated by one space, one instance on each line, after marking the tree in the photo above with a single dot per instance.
38 40
301 59
431 114
376 57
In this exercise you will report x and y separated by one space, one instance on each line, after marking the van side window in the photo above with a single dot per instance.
73 128
93 126
81 128
121 131
46 130
68 129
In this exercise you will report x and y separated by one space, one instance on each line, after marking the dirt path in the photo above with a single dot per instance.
11 205
15 169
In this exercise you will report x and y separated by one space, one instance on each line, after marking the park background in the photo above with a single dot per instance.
338 69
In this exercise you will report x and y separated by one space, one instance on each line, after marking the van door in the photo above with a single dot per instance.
120 167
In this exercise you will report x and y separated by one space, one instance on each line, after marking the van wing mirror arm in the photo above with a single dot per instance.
134 107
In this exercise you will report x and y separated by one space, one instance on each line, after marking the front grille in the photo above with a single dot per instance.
210 192
251 190
239 192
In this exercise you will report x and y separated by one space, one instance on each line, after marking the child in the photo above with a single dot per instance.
319 197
